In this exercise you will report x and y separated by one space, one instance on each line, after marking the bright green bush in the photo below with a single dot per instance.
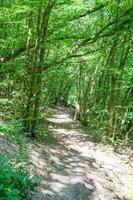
15 180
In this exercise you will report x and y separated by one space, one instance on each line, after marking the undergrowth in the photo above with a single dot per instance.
15 180
44 134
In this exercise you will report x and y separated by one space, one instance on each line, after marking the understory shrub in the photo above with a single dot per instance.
15 180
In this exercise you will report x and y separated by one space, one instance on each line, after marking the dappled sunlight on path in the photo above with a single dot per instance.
61 118
78 169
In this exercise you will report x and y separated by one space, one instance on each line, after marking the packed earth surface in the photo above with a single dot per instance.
77 168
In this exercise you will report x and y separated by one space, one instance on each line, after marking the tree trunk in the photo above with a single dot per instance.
34 97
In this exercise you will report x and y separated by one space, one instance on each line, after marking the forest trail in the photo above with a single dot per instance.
77 168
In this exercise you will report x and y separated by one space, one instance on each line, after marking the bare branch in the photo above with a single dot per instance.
15 54
97 8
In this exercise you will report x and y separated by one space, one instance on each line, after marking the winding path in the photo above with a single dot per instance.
77 168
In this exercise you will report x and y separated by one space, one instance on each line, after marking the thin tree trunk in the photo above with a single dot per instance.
34 98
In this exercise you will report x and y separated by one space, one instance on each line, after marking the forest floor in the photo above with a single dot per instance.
77 168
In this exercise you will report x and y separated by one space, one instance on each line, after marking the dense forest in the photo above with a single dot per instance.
77 54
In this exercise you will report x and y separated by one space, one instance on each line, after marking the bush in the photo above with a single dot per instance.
15 180
45 134
15 131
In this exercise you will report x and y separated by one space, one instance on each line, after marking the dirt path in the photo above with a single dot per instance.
77 168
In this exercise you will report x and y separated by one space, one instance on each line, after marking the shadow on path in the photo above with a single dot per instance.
77 169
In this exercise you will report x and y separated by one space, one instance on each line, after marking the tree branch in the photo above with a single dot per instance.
15 54
89 11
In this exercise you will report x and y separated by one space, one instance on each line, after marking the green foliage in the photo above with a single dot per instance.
15 130
75 51
78 51
45 135
15 180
